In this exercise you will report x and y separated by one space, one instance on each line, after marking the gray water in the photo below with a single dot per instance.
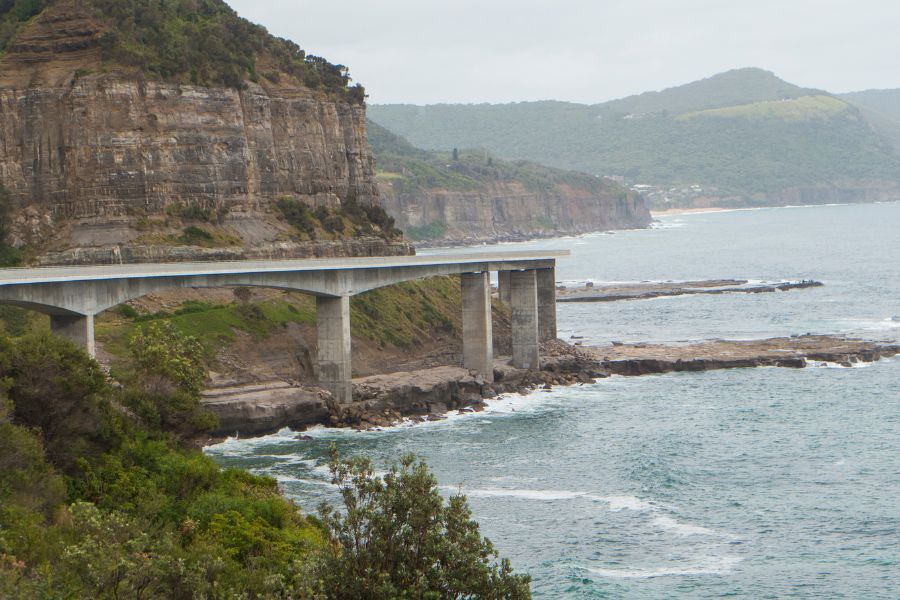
763 483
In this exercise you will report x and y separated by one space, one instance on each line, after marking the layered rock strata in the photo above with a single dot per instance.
105 166
508 211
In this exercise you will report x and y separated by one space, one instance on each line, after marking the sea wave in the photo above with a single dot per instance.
667 522
615 503
238 447
718 565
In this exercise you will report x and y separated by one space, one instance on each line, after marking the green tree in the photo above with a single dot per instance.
396 538
167 359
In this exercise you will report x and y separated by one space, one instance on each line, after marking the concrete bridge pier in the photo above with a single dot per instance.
524 303
503 286
546 289
79 329
335 366
478 344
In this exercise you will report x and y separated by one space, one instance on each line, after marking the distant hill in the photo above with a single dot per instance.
469 196
882 109
886 102
744 137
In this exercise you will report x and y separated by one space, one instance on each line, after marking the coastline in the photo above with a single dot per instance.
430 394
690 211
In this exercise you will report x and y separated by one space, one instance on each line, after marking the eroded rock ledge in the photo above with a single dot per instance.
647 290
383 400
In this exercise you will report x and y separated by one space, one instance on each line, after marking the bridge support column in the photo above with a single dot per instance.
524 301
503 286
546 289
478 344
79 329
335 367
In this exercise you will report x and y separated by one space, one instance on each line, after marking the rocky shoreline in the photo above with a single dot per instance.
646 290
467 241
384 400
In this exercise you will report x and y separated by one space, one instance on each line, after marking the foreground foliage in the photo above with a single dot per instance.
101 497
396 538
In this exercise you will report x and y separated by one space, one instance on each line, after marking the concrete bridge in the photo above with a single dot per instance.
72 296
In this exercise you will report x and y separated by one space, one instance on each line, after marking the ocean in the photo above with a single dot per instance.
749 483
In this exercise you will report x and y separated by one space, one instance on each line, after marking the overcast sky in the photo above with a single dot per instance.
427 51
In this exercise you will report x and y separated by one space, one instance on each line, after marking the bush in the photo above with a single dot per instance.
59 390
15 321
195 236
128 311
298 214
333 224
168 360
397 538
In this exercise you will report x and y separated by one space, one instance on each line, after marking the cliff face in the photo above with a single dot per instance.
509 211
95 159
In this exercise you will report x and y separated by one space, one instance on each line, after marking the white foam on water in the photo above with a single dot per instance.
667 522
237 447
501 406
834 365
719 565
545 495
616 503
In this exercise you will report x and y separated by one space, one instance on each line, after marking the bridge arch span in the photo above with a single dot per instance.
73 295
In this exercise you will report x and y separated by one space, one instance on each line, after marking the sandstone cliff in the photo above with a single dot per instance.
467 197
506 211
104 165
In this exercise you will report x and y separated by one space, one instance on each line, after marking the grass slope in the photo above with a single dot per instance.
744 133
398 316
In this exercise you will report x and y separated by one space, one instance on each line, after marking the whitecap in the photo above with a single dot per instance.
667 522
719 565
616 503
545 495
236 446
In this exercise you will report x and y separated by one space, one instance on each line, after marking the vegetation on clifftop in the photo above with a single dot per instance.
203 42
410 169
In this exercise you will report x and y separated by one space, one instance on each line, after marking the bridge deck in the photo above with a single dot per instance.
72 296
39 275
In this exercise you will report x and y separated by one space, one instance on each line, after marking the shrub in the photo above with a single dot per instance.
168 360
297 214
128 311
194 235
397 538
333 224
58 389
14 320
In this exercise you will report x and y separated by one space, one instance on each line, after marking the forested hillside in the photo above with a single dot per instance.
466 196
744 135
